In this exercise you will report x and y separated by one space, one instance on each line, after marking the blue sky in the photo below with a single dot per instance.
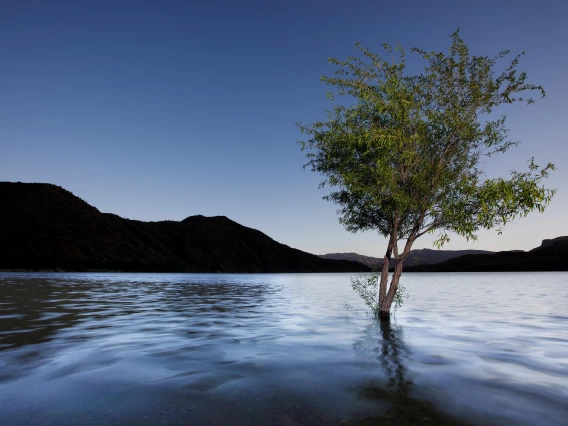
162 110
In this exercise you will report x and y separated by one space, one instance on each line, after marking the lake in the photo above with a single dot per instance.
281 349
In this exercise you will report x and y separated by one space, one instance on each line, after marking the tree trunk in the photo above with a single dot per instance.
385 277
386 298
387 301
384 315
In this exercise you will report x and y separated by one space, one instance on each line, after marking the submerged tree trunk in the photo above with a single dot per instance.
384 279
387 297
386 302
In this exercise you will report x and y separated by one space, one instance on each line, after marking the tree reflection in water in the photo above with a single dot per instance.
383 345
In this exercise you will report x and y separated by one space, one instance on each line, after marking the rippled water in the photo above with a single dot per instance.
281 350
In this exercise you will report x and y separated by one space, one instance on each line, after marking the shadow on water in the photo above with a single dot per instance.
383 342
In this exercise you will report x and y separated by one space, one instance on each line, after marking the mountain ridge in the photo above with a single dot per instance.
551 255
415 257
46 227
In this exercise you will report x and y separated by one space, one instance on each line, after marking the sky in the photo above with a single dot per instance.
162 110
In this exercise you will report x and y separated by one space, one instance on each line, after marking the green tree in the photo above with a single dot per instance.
404 156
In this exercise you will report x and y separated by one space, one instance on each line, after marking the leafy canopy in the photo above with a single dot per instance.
404 157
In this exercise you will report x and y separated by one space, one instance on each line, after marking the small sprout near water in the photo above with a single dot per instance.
367 288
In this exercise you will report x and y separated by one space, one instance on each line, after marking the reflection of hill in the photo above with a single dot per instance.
28 317
42 317
384 343
552 255
44 226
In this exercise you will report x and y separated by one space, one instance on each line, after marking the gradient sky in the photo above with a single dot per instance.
162 110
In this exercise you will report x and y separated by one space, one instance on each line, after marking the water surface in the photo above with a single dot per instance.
280 349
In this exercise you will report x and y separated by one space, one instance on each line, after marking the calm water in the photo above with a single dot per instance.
281 350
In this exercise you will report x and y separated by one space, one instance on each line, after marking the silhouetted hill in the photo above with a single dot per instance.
371 262
552 255
546 245
415 257
429 256
43 226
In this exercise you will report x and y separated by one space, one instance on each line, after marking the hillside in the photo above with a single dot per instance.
43 226
551 255
371 262
415 257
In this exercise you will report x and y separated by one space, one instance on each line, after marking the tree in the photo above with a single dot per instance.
404 157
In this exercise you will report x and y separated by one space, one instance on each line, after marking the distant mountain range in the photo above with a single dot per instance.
371 262
415 257
551 255
45 227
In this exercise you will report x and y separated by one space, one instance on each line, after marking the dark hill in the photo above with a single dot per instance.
43 226
415 257
371 262
552 255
